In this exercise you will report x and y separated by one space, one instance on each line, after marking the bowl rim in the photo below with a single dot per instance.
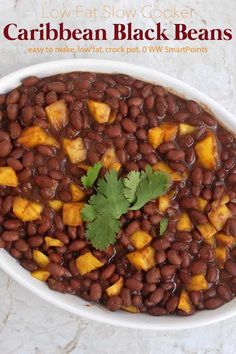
93 311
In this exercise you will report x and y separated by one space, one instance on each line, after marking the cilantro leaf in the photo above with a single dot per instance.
112 189
152 185
163 225
88 213
103 211
102 232
92 174
131 183
113 198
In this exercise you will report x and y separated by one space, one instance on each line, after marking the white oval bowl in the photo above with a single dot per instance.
73 303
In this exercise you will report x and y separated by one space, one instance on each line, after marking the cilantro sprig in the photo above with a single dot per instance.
91 176
131 183
115 196
151 185
163 226
104 210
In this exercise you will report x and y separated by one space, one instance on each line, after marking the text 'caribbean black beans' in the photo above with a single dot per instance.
64 138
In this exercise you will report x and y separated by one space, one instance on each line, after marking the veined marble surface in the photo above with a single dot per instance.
28 325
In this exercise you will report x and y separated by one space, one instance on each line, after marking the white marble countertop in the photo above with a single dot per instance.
28 325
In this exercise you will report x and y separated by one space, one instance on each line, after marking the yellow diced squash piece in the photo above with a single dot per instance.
221 254
140 239
72 214
225 240
207 230
185 129
53 242
184 223
207 151
87 262
40 258
184 302
110 161
131 309
198 282
170 130
163 167
40 274
163 203
142 259
115 288
155 137
75 149
202 203
99 111
34 136
218 216
8 177
76 192
26 210
55 204
57 114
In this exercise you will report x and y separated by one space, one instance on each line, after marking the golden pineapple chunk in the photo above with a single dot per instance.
115 166
225 240
170 130
211 241
55 204
131 309
225 199
207 151
115 288
87 262
34 136
218 216
185 129
84 166
184 302
99 111
75 150
41 275
40 258
140 239
110 161
184 223
163 167
112 117
155 137
26 210
198 282
207 230
57 114
173 193
53 242
76 192
221 254
163 202
202 203
142 259
218 202
72 214
8 177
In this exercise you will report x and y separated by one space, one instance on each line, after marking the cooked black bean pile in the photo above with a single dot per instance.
194 261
